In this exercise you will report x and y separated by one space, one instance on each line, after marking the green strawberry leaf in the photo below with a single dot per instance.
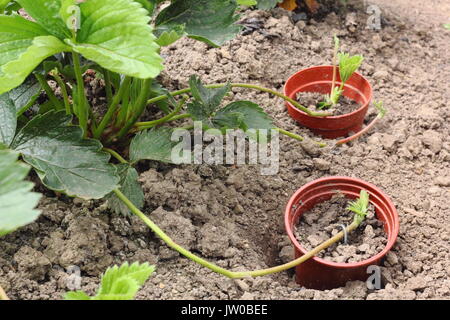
251 116
64 160
76 295
207 100
348 65
17 203
137 272
23 95
117 36
8 120
24 45
154 144
130 187
118 283
47 14
210 21
167 37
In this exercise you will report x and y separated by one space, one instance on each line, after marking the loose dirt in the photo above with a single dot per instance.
232 215
311 99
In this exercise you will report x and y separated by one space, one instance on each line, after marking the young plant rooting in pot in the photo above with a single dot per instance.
347 66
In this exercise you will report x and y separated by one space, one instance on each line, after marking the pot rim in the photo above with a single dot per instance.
369 99
392 237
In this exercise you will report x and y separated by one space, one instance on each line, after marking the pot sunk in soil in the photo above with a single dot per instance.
317 273
319 79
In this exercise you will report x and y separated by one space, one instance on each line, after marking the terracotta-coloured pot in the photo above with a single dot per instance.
317 273
319 79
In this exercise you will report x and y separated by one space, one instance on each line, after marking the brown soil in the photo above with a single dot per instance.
233 215
325 220
311 99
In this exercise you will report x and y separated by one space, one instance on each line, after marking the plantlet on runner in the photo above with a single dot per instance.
347 66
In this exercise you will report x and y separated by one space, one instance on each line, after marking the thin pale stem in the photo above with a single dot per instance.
230 274
138 107
360 133
116 155
27 106
51 96
82 108
62 85
248 86
335 53
297 137
112 108
169 117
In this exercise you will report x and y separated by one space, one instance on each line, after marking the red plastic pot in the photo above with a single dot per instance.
317 273
319 79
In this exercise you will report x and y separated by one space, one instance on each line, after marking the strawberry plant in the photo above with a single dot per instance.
65 140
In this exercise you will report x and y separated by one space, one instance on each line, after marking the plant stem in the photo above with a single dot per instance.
169 117
296 262
116 155
82 109
3 295
335 53
138 108
249 86
108 88
27 106
230 274
297 137
160 233
62 85
360 133
43 82
112 108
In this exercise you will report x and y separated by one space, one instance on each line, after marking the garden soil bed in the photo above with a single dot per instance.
326 219
232 214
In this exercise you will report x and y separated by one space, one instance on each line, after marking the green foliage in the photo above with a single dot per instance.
360 207
381 109
64 160
26 92
247 2
210 21
348 65
447 26
8 120
114 34
118 283
250 115
206 101
130 187
167 37
17 203
268 4
7 6
154 144
206 107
